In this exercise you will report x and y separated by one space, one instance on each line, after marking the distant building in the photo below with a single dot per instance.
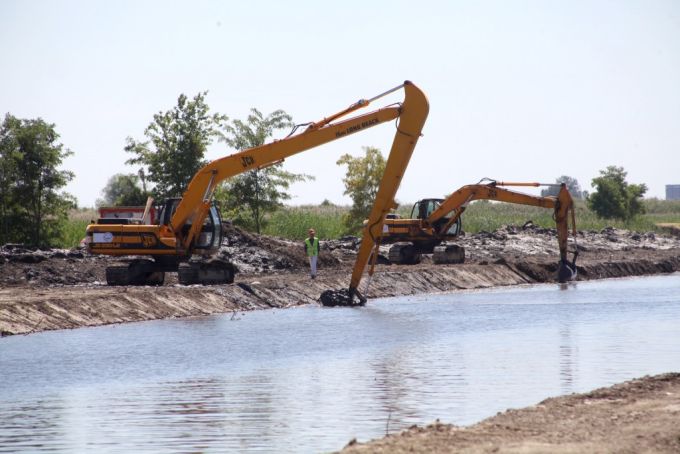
673 192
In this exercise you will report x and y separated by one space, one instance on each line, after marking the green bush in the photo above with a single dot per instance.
74 227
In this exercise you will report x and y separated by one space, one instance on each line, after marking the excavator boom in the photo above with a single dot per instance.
413 116
183 231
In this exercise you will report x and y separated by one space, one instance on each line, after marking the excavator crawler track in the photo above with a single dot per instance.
117 275
138 272
403 254
215 272
448 254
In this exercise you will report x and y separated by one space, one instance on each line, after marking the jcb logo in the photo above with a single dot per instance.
247 161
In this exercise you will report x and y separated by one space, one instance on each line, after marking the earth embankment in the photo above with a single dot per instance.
57 289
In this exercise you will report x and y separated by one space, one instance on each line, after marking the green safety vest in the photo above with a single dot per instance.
312 249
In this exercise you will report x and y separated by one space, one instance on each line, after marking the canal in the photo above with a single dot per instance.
309 379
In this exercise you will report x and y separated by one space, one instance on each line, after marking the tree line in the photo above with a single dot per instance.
33 206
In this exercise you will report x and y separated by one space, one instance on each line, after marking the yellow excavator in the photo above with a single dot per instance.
191 225
436 221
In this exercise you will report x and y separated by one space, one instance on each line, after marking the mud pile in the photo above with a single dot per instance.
521 246
531 240
251 253
29 266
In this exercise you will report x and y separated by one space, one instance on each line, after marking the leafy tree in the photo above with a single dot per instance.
176 145
362 181
572 185
122 189
33 210
614 198
9 156
251 195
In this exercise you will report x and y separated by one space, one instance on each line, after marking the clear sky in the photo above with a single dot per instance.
518 90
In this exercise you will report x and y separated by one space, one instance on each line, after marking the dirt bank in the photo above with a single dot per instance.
636 416
55 289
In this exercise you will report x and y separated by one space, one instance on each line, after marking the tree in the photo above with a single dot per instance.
9 156
251 195
33 209
362 181
614 198
122 189
572 185
176 145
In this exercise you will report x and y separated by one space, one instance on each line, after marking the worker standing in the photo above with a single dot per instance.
312 250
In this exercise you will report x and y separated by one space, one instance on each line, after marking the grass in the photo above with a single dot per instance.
293 221
74 228
488 216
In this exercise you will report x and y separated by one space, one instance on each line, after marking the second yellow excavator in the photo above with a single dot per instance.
435 221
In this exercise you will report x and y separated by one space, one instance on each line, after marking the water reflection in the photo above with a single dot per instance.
311 379
568 353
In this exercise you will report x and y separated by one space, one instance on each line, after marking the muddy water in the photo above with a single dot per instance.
310 379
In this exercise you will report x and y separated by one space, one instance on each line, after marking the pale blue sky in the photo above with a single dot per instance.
518 90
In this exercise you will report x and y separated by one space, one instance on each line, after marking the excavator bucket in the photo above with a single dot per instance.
566 270
342 297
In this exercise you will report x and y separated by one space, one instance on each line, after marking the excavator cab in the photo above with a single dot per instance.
421 235
422 209
211 234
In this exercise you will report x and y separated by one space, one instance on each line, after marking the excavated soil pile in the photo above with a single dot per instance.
251 253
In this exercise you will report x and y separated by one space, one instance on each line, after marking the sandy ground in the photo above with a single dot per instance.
637 416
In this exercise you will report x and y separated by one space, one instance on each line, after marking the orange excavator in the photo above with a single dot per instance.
436 221
191 225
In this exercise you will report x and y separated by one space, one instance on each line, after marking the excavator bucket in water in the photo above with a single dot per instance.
566 270
342 297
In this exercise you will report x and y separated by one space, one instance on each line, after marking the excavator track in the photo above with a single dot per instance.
448 254
403 254
117 275
138 272
214 272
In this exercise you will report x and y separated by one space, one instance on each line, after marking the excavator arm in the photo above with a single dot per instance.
412 114
411 123
195 202
176 239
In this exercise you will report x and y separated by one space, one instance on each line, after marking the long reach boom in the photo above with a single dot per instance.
192 225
